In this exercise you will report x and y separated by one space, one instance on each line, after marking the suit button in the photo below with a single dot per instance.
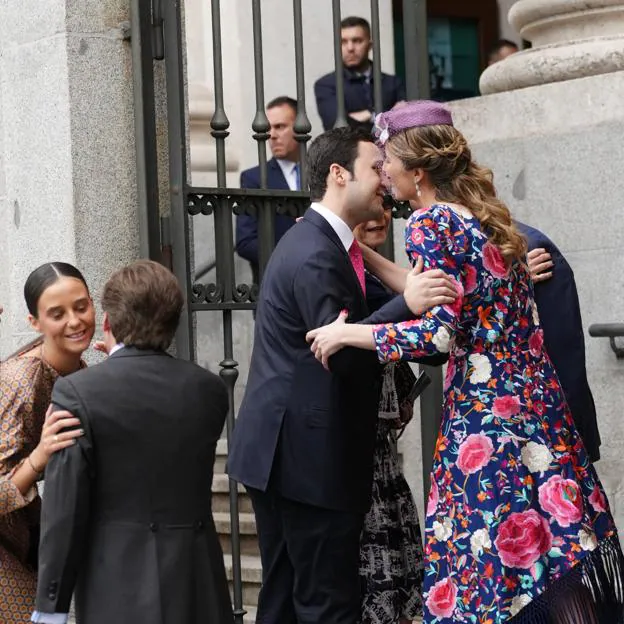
199 525
153 527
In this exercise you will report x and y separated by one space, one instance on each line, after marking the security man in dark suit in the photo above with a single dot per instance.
127 516
304 437
560 317
358 80
283 173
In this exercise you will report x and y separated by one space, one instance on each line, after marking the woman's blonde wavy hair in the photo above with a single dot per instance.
443 153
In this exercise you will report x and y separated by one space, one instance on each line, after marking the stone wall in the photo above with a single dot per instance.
67 168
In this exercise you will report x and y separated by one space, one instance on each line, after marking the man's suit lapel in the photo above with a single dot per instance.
315 218
275 176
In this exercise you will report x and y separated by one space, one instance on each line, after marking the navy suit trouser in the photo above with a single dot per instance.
310 562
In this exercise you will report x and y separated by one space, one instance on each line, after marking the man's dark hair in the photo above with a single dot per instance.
282 100
499 45
338 146
143 301
354 22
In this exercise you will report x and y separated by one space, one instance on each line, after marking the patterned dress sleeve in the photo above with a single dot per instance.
439 237
16 400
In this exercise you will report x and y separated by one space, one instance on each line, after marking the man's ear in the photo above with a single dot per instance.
34 323
338 174
106 323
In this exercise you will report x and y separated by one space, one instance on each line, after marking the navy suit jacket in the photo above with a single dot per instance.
560 317
247 225
308 430
358 96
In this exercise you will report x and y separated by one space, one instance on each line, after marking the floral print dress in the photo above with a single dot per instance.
25 390
516 517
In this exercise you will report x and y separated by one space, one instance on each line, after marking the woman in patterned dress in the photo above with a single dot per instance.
518 528
62 311
391 551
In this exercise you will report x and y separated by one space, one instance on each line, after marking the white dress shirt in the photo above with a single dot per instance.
337 224
288 169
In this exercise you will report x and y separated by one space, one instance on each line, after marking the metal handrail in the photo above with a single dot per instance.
610 331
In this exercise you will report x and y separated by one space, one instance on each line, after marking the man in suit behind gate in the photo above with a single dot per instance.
127 513
303 442
283 173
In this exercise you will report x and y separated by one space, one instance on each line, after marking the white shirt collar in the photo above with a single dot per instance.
119 345
337 224
288 169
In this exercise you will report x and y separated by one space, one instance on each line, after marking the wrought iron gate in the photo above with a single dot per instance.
157 34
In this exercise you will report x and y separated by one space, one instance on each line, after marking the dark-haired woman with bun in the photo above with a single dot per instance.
61 310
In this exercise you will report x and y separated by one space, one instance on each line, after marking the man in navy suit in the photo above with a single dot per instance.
358 80
282 174
560 317
304 437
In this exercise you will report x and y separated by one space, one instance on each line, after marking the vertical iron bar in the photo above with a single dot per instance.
145 130
261 127
302 125
387 249
418 87
377 86
341 117
224 249
174 65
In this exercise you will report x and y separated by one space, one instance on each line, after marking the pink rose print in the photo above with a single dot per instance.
523 538
416 236
432 501
561 498
536 342
455 308
493 261
450 373
470 278
506 406
598 500
474 453
442 598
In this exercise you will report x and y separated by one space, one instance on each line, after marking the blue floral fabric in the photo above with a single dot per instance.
514 502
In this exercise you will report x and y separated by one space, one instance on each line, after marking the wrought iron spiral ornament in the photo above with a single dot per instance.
201 204
207 293
243 293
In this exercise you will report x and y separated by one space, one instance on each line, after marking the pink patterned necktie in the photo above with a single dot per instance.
355 255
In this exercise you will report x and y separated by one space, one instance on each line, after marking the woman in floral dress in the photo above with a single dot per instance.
518 528
62 311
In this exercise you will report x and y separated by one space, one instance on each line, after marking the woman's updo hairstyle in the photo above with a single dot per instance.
43 277
442 152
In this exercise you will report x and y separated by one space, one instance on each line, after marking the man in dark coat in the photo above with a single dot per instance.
304 437
283 174
560 317
127 515
358 80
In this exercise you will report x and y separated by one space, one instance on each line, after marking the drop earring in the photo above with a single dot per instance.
418 192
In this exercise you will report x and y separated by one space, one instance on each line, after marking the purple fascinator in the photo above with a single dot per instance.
410 115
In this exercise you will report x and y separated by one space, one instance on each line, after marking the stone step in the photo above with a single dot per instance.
251 572
250 616
221 456
247 528
221 495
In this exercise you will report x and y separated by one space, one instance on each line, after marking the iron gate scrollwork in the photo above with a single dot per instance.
157 34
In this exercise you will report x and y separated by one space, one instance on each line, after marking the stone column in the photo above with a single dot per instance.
571 39
67 168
